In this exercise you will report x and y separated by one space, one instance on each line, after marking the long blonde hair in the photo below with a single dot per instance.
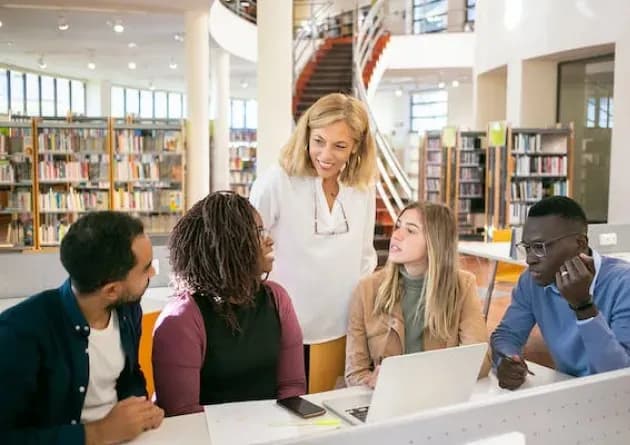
441 289
360 170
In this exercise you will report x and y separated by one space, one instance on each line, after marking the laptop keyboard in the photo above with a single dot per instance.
360 413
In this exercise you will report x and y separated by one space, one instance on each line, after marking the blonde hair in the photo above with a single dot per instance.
360 170
442 289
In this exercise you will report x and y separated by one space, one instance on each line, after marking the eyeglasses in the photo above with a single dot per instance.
316 230
539 248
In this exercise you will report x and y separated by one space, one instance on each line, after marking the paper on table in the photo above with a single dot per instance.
258 422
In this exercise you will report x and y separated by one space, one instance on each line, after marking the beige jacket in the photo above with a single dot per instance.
374 337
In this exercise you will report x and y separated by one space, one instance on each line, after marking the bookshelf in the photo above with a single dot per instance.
72 175
470 197
434 165
17 213
242 160
496 177
147 172
539 165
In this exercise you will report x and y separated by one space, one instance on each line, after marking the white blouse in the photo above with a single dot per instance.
319 270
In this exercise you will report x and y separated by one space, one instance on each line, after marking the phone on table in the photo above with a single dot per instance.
301 407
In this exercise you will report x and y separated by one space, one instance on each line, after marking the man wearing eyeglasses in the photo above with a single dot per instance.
579 299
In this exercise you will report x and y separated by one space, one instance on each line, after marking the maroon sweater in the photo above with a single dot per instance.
179 348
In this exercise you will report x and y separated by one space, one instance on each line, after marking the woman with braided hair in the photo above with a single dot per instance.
228 335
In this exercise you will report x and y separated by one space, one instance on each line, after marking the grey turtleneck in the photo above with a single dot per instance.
414 323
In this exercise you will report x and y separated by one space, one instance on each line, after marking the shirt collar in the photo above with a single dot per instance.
71 307
597 263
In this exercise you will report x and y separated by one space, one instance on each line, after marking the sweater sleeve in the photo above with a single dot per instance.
179 346
291 375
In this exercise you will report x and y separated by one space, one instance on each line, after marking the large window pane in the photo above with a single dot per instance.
4 92
251 114
132 101
161 111
78 97
429 110
238 114
174 105
185 107
32 94
48 96
17 92
118 102
146 104
63 97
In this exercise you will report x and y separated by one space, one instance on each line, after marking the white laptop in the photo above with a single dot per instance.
414 382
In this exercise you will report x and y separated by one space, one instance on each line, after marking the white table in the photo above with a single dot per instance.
192 429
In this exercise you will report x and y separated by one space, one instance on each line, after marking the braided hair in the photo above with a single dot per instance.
215 252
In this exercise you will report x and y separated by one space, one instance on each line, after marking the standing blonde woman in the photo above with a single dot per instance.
419 301
319 205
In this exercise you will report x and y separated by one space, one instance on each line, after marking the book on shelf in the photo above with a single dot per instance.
242 160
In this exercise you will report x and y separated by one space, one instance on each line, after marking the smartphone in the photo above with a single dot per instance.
301 407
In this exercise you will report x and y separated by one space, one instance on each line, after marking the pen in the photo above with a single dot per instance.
507 357
322 422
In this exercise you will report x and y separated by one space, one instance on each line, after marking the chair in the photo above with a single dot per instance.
146 347
327 365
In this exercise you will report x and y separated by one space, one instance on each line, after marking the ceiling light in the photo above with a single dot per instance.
42 63
441 85
151 86
118 26
244 84
172 65
62 25
0 23
9 43
455 83
178 36
131 45
131 65
91 66
398 92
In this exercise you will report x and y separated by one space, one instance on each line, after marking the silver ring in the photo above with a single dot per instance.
563 273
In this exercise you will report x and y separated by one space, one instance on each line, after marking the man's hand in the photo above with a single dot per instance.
511 372
574 279
373 377
127 419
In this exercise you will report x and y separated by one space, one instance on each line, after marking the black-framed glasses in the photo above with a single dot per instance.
539 248
317 231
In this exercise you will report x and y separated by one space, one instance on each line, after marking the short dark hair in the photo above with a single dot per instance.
561 206
97 249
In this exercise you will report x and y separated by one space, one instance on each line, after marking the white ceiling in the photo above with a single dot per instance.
423 78
29 31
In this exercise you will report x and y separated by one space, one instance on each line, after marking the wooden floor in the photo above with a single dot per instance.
535 350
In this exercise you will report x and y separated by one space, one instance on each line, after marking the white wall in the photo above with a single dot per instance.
460 106
427 51
515 30
236 35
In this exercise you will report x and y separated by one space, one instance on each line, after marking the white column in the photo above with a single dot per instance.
489 97
275 78
531 93
98 95
197 80
221 105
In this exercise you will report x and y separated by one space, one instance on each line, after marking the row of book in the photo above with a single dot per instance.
18 232
73 171
73 201
51 233
15 172
73 140
164 201
470 174
518 213
548 165
242 164
540 143
159 223
244 152
434 171
434 143
536 190
242 177
471 143
434 156
471 190
15 140
243 135
148 141
434 185
17 201
241 189
469 158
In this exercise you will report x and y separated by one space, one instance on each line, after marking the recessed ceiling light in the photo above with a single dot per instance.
0 23
62 25
131 44
91 66
42 63
131 65
178 37
118 27
172 65
244 84
151 86
455 83
441 85
398 92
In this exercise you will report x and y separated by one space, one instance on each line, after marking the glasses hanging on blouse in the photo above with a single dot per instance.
337 231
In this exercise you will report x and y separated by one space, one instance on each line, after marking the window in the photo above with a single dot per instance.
161 109
429 16
48 95
146 104
4 92
117 102
17 92
77 97
471 7
174 105
237 114
251 114
132 102
63 97
429 110
32 94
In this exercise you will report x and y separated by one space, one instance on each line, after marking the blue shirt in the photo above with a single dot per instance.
578 348
44 367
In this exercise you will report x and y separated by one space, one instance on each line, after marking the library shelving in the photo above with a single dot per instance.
434 166
148 172
470 197
17 211
539 165
242 160
72 175
496 177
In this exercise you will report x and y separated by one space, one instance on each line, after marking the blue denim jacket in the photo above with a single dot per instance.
44 367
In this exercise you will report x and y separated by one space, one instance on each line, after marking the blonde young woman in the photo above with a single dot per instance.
419 301
319 204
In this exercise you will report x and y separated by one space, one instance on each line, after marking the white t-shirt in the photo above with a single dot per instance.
319 271
107 360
